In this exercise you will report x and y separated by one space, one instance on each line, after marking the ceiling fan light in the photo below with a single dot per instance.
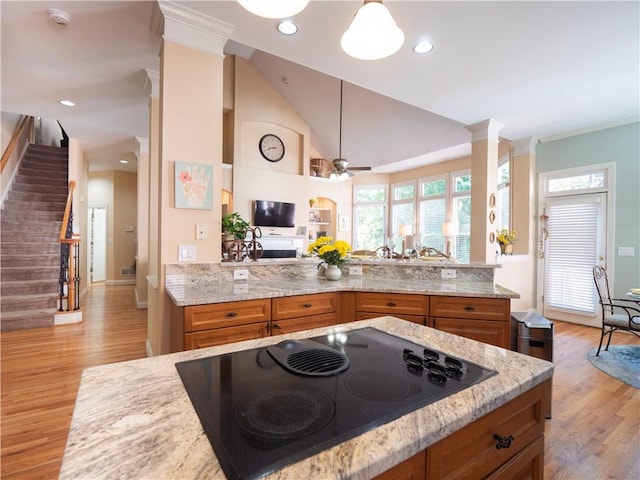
274 8
373 34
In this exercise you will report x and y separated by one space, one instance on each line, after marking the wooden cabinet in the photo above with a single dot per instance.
411 307
483 319
302 312
200 326
471 451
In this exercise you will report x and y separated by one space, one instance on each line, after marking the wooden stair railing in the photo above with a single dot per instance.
69 279
26 122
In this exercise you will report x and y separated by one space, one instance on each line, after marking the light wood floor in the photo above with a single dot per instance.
594 433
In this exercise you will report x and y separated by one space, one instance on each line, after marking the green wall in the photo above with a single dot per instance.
620 145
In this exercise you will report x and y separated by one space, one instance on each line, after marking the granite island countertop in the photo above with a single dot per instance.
135 420
187 290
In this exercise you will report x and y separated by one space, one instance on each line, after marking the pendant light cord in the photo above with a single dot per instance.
340 135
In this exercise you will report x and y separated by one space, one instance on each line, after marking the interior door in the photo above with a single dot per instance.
98 244
576 241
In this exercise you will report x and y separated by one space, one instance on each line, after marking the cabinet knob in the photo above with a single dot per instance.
232 314
308 305
503 442
469 308
391 304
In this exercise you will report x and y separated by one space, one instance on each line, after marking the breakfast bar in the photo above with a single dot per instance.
135 419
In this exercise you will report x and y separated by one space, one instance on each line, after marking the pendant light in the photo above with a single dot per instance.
373 34
274 8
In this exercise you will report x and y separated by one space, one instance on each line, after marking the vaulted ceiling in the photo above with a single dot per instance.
543 69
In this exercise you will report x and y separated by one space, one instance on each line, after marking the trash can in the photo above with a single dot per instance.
534 336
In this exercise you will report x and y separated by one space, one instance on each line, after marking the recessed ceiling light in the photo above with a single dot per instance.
124 161
287 27
422 47
67 103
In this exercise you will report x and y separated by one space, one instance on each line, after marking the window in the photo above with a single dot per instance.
369 214
402 206
503 195
461 243
433 212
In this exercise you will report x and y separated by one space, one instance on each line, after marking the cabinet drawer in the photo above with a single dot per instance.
303 305
471 451
471 307
492 332
303 323
222 336
218 315
392 303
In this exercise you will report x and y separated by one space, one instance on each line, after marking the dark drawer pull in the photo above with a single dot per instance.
232 314
503 442
469 308
308 305
391 304
275 326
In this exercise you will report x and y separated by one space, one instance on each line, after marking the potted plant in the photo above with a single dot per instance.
234 225
333 254
506 239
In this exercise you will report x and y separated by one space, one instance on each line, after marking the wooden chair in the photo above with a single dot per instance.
628 317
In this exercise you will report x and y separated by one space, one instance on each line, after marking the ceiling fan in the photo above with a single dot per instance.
341 169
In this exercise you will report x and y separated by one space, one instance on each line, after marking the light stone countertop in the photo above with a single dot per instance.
135 420
187 290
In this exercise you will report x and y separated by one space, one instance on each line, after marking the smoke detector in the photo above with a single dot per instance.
59 17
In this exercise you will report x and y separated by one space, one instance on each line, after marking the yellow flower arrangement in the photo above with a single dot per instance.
331 252
506 237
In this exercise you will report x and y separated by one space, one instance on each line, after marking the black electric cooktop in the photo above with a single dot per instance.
268 407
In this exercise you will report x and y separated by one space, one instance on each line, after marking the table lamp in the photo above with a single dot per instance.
449 229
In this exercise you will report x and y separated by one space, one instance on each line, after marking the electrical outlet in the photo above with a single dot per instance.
355 271
241 274
186 253
447 273
201 232
626 252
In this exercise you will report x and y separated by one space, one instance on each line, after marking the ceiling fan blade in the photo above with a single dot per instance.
359 168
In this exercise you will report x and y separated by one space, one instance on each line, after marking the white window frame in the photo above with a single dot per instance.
356 203
453 195
403 201
502 186
609 170
420 198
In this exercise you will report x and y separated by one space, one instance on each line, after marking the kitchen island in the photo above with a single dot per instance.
135 420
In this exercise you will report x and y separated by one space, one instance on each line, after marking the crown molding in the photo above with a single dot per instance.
150 80
485 130
187 27
525 146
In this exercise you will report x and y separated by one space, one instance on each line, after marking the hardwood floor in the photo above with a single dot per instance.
594 432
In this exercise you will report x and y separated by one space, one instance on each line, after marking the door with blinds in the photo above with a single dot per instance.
576 241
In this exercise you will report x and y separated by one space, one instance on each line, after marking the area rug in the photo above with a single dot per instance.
620 361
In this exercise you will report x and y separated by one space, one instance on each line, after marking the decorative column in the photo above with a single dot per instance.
142 230
189 130
484 171
523 195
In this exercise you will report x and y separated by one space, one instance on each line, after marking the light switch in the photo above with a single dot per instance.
186 253
626 252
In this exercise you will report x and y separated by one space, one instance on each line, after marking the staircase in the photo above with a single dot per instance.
29 247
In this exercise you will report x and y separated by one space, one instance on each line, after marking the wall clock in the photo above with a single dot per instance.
271 147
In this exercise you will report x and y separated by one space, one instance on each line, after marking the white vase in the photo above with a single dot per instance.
333 272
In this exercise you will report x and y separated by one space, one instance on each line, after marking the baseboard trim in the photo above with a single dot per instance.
148 349
141 305
67 318
120 282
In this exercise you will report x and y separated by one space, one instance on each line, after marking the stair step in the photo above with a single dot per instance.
39 188
30 180
38 196
25 170
40 237
39 216
28 319
45 165
35 206
49 260
48 227
29 248
12 274
29 287
17 303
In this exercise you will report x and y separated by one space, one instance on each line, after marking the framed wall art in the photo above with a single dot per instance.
343 223
193 186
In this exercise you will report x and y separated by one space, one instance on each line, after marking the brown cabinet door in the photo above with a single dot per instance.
289 325
494 333
392 303
526 465
471 307
303 305
409 318
471 451
411 469
228 314
221 336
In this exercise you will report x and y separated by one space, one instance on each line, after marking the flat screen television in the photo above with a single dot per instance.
268 213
